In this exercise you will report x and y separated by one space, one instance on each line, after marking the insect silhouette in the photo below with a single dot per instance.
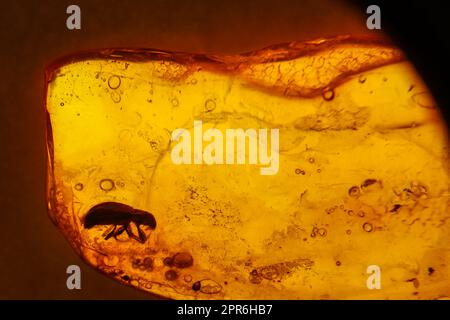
119 216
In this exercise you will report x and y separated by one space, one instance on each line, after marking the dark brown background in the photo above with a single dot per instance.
33 254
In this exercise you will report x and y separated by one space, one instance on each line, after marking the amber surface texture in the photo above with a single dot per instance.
362 177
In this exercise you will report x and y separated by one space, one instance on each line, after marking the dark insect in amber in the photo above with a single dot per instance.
118 214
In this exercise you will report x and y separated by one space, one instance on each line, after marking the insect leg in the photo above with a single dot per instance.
109 232
142 236
130 232
133 236
119 231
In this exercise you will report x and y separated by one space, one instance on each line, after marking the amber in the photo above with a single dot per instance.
363 175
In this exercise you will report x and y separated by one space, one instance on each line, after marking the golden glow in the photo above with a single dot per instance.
363 172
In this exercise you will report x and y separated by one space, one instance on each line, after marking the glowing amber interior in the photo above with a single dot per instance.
363 171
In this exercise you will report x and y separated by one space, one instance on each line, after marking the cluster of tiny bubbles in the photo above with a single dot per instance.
59 196
331 210
142 264
114 82
328 94
79 186
154 145
148 285
115 96
106 184
210 105
254 277
318 231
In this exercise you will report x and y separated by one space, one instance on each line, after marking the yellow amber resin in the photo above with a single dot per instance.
362 180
